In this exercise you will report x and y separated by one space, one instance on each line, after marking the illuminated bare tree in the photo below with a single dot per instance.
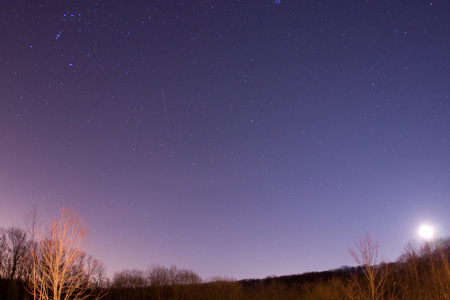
375 272
60 269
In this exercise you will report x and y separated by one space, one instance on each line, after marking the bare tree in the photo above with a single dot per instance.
13 247
17 248
32 223
375 272
130 284
3 256
158 278
158 275
98 277
435 255
60 268
412 284
129 279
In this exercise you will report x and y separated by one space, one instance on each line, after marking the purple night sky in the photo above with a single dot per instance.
235 138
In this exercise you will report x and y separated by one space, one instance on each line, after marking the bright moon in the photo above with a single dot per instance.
426 232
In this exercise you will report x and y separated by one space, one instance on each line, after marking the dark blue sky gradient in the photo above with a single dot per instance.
234 138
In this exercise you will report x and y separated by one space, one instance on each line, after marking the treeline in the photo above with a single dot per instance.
421 272
46 264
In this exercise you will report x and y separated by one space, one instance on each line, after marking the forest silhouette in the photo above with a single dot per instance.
51 262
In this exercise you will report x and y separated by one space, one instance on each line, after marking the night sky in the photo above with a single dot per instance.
235 138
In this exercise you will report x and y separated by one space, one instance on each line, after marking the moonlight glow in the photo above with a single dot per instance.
426 232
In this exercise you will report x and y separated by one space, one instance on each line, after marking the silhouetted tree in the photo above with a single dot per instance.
3 255
13 247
